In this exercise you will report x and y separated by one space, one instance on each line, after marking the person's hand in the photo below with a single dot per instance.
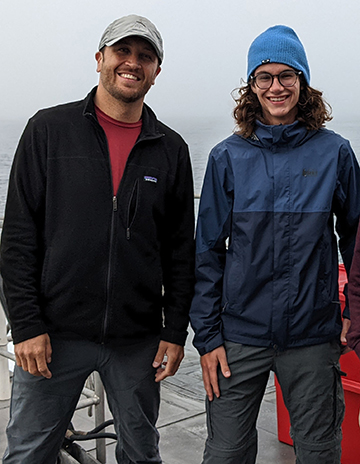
346 323
34 355
209 364
174 354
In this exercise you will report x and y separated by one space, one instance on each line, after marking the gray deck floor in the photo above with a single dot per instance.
182 421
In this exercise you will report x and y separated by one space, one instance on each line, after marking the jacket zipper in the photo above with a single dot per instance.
108 277
111 245
130 215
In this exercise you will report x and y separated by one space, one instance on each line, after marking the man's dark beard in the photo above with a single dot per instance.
118 95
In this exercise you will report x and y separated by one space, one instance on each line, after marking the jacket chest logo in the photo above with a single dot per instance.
309 173
150 179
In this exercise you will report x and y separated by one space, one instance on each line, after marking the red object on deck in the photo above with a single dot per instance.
350 364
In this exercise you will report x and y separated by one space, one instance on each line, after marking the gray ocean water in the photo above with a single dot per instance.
201 134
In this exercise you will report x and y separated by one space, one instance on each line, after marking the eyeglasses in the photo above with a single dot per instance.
286 78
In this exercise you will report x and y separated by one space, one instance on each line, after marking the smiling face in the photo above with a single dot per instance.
278 103
127 69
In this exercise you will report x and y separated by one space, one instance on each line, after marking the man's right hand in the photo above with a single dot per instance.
34 354
209 364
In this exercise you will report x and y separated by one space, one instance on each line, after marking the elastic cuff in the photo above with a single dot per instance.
19 336
210 345
171 336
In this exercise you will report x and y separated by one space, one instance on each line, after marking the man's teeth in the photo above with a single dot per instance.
129 76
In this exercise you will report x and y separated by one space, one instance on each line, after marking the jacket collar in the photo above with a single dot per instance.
150 124
280 135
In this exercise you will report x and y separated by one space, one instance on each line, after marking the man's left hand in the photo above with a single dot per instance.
345 329
174 354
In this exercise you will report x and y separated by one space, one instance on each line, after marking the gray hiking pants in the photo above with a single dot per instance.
41 409
313 394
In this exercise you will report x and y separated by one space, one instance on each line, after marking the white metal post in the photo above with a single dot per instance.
100 418
5 389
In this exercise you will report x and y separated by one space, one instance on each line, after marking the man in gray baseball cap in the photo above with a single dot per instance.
104 207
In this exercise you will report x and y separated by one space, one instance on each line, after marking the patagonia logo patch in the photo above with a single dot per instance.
150 179
309 173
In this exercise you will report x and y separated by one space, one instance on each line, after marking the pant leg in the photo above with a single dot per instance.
41 409
313 393
231 419
134 398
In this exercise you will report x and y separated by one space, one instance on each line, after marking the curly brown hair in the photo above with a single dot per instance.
313 110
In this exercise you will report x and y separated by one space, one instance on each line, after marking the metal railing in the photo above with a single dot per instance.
5 355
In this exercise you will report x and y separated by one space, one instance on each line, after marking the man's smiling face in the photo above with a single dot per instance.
128 69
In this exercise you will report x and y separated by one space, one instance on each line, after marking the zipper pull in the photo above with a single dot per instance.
128 233
115 203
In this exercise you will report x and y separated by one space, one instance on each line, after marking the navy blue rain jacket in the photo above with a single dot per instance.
266 251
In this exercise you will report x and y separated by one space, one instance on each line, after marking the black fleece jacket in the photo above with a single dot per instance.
79 262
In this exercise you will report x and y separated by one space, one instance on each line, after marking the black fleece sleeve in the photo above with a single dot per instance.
21 241
178 253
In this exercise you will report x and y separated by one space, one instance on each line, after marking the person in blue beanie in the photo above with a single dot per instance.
266 294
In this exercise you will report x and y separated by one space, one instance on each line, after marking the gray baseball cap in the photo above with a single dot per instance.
133 25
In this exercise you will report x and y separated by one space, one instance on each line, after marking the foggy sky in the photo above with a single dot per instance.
48 49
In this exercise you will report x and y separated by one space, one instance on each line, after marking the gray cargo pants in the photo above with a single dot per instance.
313 394
41 409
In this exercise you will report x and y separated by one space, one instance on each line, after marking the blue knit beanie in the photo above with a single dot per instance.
278 44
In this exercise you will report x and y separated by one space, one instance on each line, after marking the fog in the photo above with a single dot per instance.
48 50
